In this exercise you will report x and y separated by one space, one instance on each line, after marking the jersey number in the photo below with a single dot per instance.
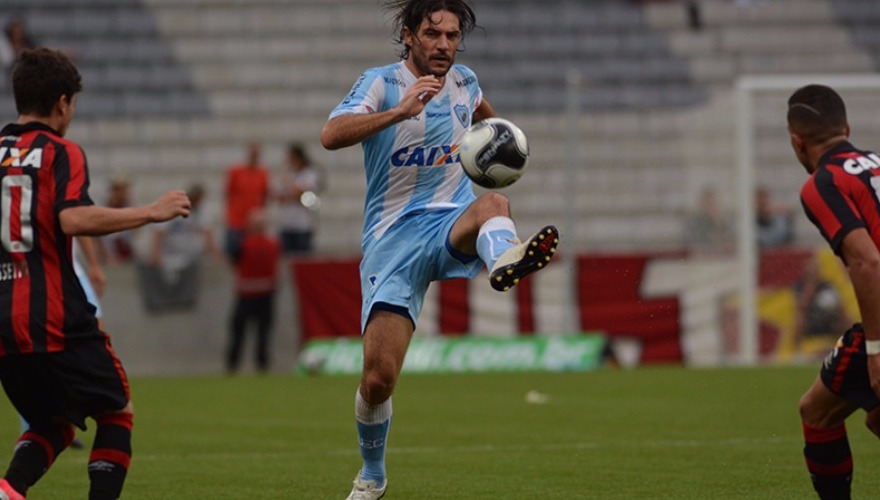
16 197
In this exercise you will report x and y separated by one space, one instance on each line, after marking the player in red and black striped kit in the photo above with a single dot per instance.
842 198
56 365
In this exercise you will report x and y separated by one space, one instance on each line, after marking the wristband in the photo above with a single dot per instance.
872 347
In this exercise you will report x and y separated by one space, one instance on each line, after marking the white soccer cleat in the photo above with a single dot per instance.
524 259
366 489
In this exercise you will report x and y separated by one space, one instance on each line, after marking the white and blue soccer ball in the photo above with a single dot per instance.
494 153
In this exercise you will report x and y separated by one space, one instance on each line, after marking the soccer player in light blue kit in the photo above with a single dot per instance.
422 221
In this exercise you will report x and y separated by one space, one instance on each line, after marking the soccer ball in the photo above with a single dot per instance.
494 153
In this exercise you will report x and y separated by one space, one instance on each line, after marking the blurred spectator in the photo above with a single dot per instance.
694 15
820 315
170 277
709 229
774 222
16 40
247 188
297 193
256 276
118 247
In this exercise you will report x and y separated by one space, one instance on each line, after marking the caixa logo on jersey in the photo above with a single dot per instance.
857 163
425 156
21 157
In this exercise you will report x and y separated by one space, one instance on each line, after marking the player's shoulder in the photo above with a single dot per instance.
368 78
387 70
820 181
72 149
850 159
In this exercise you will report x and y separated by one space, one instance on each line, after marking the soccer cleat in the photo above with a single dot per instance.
7 492
524 259
367 490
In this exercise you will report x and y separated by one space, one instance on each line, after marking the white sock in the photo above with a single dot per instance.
373 424
371 414
496 235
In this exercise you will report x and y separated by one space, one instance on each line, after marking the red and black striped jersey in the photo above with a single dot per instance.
843 194
42 305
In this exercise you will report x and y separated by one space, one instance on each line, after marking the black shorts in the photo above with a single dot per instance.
845 370
85 380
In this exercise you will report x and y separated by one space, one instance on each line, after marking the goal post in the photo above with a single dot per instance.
747 91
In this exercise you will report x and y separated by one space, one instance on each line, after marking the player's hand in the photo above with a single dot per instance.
170 205
415 98
874 372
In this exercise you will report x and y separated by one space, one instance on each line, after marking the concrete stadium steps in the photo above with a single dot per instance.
528 48
724 13
861 17
119 52
283 49
773 37
658 123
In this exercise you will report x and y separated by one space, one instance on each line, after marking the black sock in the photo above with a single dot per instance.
35 452
110 457
829 461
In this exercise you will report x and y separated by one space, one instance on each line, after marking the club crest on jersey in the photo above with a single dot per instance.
463 114
21 157
430 156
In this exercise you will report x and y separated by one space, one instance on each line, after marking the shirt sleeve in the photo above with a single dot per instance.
365 96
71 177
829 207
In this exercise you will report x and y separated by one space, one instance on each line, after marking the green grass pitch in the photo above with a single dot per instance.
651 433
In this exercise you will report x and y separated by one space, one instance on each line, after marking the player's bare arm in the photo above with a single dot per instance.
348 130
94 220
483 111
863 262
94 271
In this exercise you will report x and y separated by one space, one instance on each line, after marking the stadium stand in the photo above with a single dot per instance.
176 87
128 68
528 48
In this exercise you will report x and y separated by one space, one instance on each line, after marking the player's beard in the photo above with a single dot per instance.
425 67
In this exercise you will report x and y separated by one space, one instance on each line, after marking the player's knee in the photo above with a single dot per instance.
493 204
818 415
378 385
123 417
807 410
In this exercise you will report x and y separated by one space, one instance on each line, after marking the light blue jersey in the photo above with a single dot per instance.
412 169
412 166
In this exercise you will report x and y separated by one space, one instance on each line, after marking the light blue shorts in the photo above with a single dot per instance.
397 269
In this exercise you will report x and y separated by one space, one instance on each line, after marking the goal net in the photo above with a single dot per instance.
791 299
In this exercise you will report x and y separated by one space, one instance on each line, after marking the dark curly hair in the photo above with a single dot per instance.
409 14
40 77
